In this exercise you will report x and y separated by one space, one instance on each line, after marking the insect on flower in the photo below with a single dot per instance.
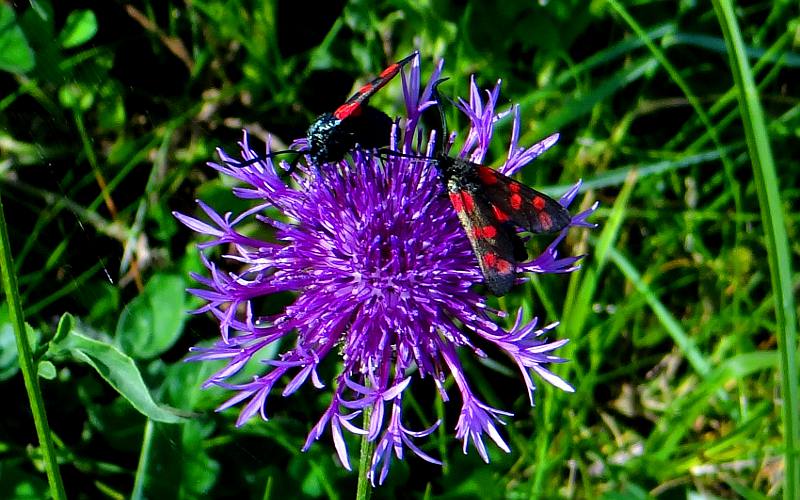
489 206
354 123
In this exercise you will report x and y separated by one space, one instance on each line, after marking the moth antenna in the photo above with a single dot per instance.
440 141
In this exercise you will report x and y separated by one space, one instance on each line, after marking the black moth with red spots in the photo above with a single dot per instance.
489 206
353 123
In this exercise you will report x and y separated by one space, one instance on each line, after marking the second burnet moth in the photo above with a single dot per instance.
490 206
355 123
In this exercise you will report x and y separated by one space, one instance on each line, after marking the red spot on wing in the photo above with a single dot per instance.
538 203
503 266
516 201
353 105
514 187
499 214
390 71
365 89
485 232
455 199
546 221
487 176
346 110
495 262
469 202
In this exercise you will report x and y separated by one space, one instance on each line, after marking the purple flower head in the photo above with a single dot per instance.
383 275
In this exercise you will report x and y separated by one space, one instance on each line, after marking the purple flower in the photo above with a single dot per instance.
383 275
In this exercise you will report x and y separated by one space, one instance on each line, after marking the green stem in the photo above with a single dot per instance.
777 242
144 459
26 363
364 487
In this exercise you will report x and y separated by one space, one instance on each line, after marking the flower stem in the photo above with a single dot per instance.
364 489
26 362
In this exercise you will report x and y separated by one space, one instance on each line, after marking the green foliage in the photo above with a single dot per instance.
16 55
108 115
152 322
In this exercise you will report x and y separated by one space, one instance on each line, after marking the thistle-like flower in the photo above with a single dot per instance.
383 275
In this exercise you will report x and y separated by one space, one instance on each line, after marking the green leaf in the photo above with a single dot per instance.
111 107
779 256
176 451
21 482
627 492
80 27
76 96
16 55
119 423
9 365
153 321
119 371
8 350
46 370
65 325
179 450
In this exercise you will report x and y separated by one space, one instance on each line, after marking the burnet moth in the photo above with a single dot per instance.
490 206
354 123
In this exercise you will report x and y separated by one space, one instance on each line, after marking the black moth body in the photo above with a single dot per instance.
332 135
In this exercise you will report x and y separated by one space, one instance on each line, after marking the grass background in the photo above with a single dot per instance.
680 318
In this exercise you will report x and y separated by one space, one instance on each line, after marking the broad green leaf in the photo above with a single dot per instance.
153 321
80 27
183 387
179 451
120 372
119 423
16 54
111 107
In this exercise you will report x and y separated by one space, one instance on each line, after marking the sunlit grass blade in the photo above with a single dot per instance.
775 234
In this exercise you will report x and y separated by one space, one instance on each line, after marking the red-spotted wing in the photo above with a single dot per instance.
489 206
494 243
523 206
353 105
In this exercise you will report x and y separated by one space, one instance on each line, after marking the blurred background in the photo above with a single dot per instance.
110 110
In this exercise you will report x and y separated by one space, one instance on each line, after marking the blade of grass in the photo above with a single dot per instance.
775 234
617 176
677 420
583 284
27 363
694 101
684 342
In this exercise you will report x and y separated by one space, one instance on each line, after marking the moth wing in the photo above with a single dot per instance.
353 106
495 244
524 206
